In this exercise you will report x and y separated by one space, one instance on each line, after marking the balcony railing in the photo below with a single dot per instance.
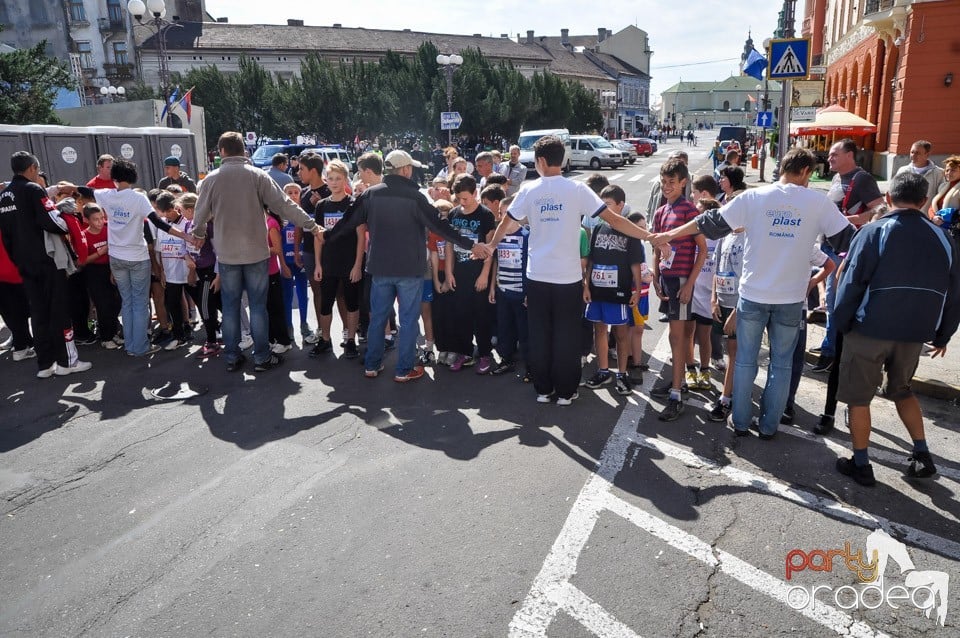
875 6
111 25
118 71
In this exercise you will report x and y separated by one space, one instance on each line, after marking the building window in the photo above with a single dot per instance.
86 54
77 12
115 11
38 13
726 105
120 52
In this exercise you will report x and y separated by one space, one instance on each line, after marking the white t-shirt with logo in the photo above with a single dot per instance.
126 211
172 252
781 222
551 207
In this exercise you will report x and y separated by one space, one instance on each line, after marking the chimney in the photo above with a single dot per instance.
477 35
505 35
530 36
601 34
223 20
337 25
294 23
565 38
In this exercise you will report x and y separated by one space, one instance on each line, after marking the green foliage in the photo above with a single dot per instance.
394 96
29 80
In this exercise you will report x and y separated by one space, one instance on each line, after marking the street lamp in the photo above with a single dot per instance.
151 14
110 92
449 64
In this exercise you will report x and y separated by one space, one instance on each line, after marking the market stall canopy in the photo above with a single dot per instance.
834 120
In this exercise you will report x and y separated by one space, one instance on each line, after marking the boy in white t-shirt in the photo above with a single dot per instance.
170 253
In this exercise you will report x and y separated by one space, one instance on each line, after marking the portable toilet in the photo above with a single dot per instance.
12 139
174 142
131 144
66 153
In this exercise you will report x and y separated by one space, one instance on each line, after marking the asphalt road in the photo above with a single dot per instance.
309 501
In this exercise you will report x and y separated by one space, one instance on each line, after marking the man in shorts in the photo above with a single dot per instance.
900 288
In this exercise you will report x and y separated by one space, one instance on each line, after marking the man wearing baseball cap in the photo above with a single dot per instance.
397 216
171 168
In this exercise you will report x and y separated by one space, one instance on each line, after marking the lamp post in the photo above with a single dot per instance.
449 64
110 92
152 14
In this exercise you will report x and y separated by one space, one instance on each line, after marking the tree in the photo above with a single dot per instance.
585 115
29 80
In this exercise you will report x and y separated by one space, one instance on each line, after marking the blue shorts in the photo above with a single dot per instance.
427 295
611 314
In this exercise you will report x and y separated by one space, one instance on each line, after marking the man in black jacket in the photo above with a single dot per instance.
173 175
397 215
25 213
899 289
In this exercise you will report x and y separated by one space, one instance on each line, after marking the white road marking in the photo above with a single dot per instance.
830 507
591 615
614 177
636 178
742 571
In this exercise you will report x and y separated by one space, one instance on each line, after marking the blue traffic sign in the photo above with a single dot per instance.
450 120
765 119
789 58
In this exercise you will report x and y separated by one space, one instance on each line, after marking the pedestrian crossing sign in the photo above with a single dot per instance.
789 58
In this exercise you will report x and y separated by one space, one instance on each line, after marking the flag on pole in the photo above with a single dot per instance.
755 65
186 103
170 102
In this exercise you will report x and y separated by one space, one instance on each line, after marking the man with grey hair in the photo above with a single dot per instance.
484 164
513 170
920 164
397 216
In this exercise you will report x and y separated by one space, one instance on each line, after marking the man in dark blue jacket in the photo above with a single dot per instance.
900 288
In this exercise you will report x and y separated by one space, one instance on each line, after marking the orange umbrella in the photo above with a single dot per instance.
833 120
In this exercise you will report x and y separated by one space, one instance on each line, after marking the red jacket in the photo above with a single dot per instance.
8 272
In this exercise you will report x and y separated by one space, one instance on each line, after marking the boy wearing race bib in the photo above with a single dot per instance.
171 252
510 296
611 288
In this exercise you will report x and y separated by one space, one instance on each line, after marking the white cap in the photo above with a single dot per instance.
399 159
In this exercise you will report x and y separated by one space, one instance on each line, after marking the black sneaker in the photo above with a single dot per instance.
602 377
663 391
622 385
921 465
787 417
525 377
236 364
322 347
719 412
427 357
502 368
350 350
824 363
161 336
825 426
269 364
389 343
86 340
672 412
862 474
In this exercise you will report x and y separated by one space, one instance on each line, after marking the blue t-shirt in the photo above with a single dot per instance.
512 262
287 234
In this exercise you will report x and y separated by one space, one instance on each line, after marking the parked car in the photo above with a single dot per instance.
332 152
652 142
629 150
262 157
594 151
643 146
528 138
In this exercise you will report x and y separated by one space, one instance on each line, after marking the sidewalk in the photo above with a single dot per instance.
938 378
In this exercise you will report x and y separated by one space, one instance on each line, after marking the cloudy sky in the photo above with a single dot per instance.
691 39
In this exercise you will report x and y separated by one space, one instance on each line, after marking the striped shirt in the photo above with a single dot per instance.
668 217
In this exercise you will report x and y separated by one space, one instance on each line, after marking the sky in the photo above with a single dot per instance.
692 40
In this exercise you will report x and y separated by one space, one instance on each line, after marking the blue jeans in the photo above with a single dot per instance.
383 291
827 347
254 279
133 282
782 321
296 284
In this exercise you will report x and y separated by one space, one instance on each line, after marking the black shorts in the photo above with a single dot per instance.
718 325
331 285
676 311
701 320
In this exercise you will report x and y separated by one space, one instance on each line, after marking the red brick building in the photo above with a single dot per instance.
892 62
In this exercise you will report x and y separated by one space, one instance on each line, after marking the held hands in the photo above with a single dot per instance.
481 251
659 239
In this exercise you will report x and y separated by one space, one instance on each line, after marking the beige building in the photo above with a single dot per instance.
730 101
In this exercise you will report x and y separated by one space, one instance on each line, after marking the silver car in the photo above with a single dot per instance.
629 150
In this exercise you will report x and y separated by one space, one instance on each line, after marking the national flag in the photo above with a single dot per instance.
186 103
755 65
751 98
170 101
356 140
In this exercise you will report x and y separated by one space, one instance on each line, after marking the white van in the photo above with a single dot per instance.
594 151
528 138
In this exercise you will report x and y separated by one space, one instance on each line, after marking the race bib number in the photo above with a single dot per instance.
441 250
668 262
290 233
171 249
510 256
330 219
605 276
726 283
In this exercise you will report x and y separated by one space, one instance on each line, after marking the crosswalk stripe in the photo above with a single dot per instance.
636 178
615 177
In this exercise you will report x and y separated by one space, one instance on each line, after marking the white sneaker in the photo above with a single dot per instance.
79 366
118 340
246 342
22 355
47 372
562 401
719 364
109 345
313 337
173 345
544 398
279 348
7 343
